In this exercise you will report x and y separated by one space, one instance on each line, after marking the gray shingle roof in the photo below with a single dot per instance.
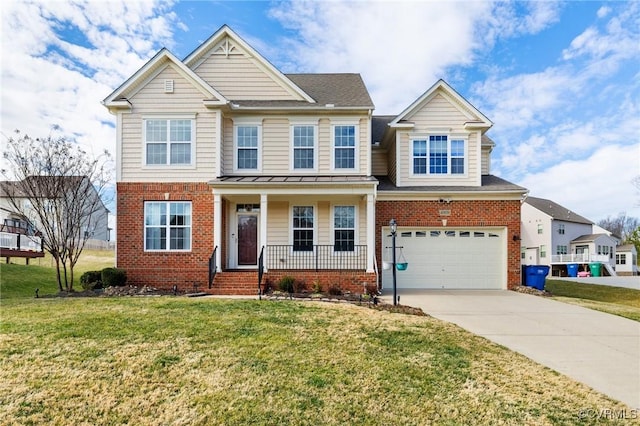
490 183
556 211
342 90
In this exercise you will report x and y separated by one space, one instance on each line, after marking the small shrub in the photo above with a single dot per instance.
317 287
114 277
91 280
300 286
371 289
335 290
286 284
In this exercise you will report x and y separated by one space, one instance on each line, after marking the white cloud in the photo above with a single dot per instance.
400 49
597 187
48 80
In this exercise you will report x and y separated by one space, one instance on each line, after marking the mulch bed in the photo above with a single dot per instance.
532 290
357 299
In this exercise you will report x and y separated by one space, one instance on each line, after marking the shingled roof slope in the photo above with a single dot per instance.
556 211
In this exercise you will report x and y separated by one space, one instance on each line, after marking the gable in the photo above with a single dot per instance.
442 99
119 98
239 72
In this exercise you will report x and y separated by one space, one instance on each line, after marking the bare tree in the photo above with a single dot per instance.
56 187
621 226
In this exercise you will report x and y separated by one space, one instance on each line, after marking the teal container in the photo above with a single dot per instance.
595 269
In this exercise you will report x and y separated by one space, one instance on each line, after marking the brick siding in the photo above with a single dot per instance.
163 270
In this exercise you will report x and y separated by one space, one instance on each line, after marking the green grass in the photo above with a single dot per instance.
185 361
620 301
20 280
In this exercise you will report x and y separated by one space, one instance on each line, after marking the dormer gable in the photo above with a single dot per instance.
238 71
119 98
474 119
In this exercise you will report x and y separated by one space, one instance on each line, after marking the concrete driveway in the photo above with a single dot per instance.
597 349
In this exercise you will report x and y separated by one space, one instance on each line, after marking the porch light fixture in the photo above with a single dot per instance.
394 228
516 237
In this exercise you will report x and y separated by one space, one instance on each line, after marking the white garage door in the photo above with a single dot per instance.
446 258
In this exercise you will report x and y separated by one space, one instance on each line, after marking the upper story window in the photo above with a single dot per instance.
303 227
247 147
344 228
167 226
439 155
561 228
344 146
168 141
539 228
304 147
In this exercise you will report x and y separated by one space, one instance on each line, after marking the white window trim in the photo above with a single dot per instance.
194 138
315 222
450 137
356 234
168 227
242 122
292 147
356 143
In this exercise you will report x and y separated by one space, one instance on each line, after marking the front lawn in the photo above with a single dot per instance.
624 302
184 361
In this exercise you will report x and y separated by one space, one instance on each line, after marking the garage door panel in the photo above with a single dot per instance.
446 258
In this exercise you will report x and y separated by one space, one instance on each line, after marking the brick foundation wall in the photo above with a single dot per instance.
163 270
463 213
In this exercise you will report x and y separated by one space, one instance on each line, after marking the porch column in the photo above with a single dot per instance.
263 222
217 229
371 232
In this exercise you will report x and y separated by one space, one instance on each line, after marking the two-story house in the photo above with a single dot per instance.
555 236
229 169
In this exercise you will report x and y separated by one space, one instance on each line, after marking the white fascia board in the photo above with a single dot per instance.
452 196
295 190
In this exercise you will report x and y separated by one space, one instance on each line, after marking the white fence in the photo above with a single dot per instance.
579 258
20 242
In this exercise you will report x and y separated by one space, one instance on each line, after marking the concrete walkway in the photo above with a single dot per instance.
594 348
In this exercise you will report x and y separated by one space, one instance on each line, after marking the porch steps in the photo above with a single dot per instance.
609 269
234 282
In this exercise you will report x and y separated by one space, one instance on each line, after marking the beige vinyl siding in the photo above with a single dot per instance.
439 112
152 100
275 146
237 77
279 212
278 222
486 160
379 162
393 163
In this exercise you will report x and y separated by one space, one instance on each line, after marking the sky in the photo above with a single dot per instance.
559 80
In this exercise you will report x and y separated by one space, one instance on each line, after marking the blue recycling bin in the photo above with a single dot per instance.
535 276
572 269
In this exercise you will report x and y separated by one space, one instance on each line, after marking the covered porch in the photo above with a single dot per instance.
306 227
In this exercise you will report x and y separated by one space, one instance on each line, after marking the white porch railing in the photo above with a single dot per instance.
20 242
579 258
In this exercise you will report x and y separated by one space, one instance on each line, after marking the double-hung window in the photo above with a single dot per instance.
167 226
344 228
168 141
344 147
439 155
247 139
304 147
303 221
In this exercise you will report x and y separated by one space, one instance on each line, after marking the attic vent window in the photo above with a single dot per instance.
168 86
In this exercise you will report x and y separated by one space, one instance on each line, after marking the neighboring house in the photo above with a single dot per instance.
95 226
626 260
555 236
227 168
